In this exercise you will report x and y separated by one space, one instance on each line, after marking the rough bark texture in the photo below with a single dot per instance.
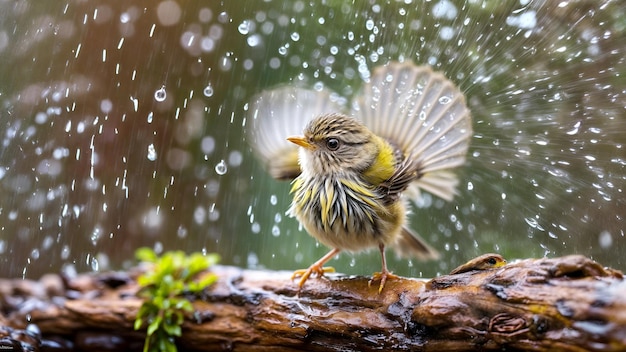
568 304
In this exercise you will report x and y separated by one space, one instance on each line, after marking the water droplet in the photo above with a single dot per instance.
275 231
244 27
446 33
445 100
295 36
199 214
221 168
531 222
444 9
235 158
214 214
253 260
254 40
152 154
106 106
41 117
160 94
273 199
95 235
207 145
208 90
65 252
574 130
181 232
605 240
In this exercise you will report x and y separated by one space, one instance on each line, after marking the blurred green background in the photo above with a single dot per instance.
123 125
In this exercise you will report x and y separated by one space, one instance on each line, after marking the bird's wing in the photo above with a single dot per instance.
406 172
282 112
424 114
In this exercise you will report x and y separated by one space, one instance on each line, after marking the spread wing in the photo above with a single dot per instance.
282 112
425 115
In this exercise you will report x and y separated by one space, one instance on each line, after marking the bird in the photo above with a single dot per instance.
355 169
484 262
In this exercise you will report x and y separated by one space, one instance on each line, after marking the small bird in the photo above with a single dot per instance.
355 170
484 262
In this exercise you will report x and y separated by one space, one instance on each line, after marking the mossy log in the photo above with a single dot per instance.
562 304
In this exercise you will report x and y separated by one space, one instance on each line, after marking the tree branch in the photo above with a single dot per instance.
569 304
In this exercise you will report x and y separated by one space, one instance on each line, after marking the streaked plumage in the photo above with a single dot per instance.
405 132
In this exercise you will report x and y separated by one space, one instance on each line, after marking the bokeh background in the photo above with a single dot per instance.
123 124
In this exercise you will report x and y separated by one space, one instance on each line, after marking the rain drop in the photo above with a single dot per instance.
181 232
605 240
445 100
221 168
244 27
152 154
531 222
254 40
208 91
160 94
235 158
574 130
253 260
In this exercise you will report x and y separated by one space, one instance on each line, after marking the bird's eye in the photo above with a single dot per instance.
332 144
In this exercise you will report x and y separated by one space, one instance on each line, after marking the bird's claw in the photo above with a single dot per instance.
382 277
304 274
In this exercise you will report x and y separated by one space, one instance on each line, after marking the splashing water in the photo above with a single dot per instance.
85 109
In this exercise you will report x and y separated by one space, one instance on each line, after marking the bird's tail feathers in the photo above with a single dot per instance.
411 245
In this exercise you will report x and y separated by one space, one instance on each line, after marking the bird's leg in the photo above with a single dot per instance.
317 268
384 274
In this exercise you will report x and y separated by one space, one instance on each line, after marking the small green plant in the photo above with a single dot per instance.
162 288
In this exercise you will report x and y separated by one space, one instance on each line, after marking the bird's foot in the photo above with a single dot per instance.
382 277
304 274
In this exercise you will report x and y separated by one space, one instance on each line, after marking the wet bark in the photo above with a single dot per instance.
569 304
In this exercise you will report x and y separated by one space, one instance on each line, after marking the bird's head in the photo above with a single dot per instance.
334 143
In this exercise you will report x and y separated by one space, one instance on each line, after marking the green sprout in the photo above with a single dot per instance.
162 287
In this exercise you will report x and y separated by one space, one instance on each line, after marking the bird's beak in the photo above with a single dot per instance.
301 142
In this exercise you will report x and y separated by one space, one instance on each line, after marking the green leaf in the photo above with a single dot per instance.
207 280
170 346
173 330
212 259
146 254
184 304
138 323
154 325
